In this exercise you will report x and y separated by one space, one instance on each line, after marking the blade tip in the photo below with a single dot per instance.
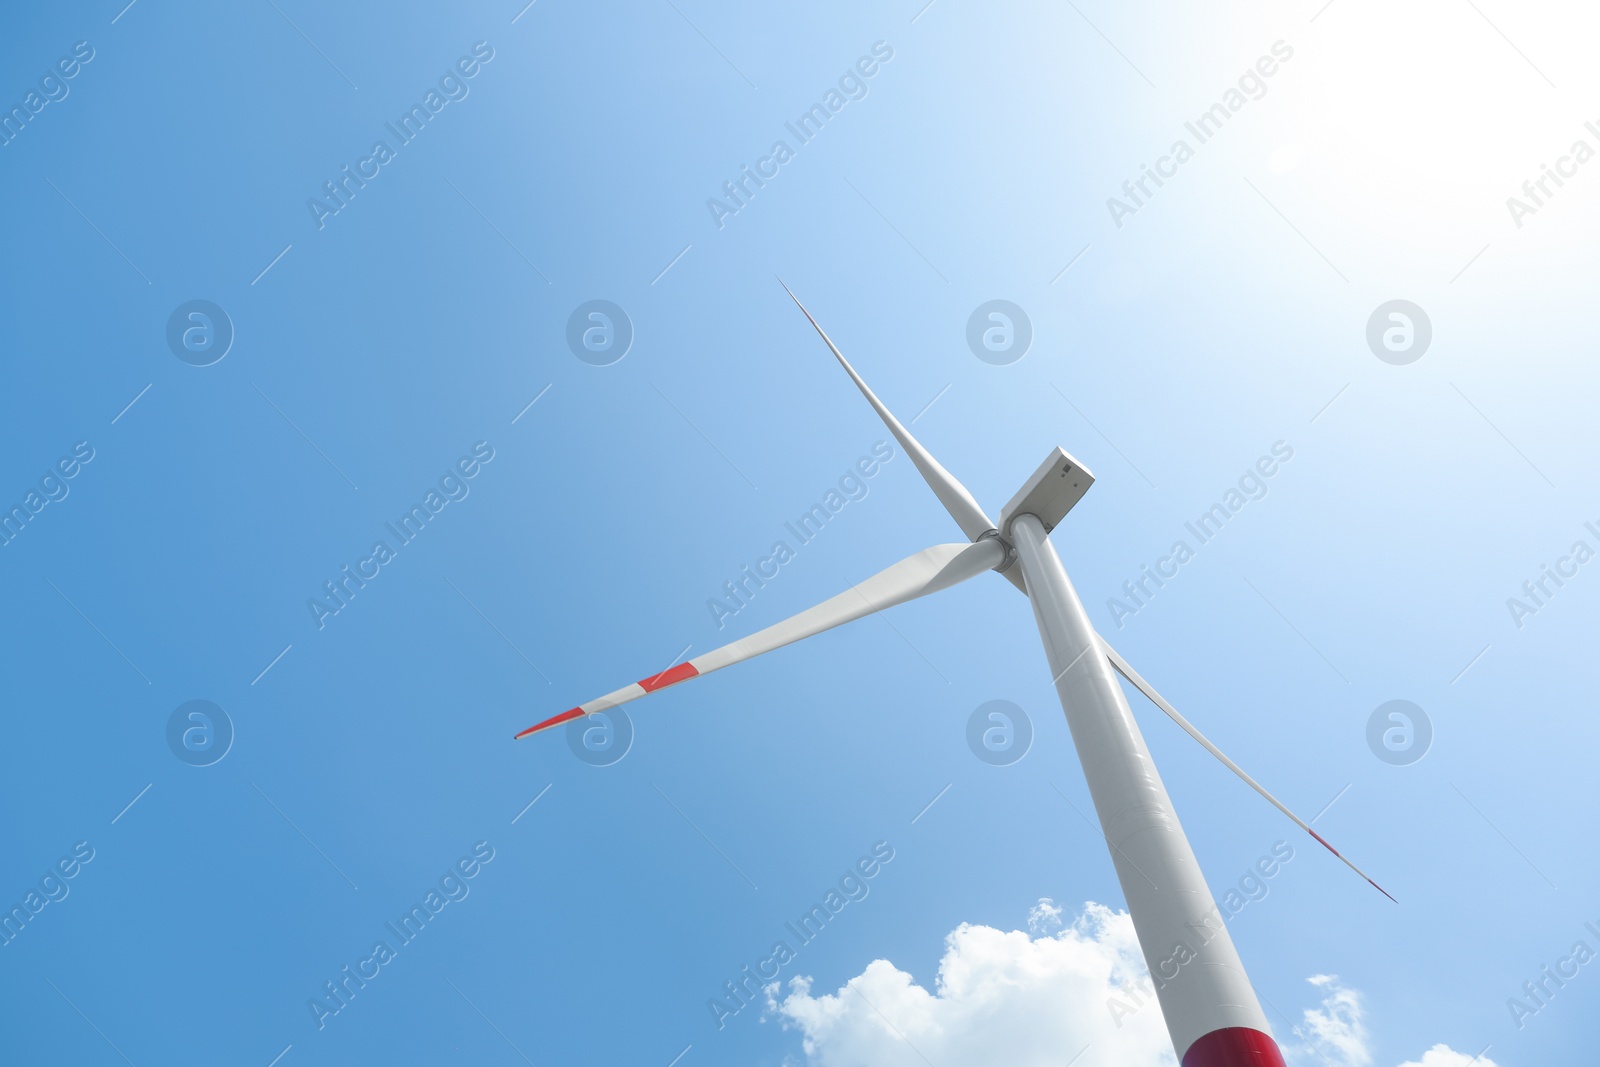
554 720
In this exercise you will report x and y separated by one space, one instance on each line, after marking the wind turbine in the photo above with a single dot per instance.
1211 1010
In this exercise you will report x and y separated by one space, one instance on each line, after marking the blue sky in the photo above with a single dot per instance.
374 351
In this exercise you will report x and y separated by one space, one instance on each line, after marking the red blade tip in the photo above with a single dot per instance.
554 720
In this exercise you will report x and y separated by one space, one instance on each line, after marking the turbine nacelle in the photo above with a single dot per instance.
1049 493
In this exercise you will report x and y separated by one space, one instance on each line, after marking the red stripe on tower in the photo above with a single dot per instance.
1234 1046
671 676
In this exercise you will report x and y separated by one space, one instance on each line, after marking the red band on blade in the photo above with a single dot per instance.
1336 852
1234 1046
1324 844
565 716
670 676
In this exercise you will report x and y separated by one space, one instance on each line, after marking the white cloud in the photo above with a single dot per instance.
1044 917
1035 1001
1000 998
1334 1034
1445 1056
1336 1031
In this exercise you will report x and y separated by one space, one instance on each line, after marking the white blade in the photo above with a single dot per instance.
928 571
1172 713
951 493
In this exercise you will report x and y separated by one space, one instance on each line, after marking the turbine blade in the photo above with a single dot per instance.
951 493
926 572
1172 713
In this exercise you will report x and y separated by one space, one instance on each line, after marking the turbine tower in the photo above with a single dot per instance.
1211 1010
